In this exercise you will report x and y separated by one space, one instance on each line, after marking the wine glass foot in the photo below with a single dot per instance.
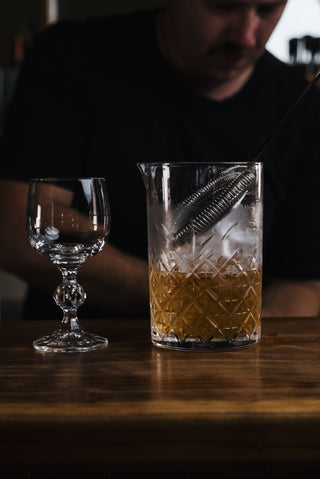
69 342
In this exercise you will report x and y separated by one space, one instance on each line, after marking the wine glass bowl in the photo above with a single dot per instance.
68 220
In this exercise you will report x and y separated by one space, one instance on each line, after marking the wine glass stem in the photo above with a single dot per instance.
69 295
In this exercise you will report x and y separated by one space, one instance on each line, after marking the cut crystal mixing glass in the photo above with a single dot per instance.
205 254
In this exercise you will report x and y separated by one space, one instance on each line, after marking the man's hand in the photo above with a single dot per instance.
291 298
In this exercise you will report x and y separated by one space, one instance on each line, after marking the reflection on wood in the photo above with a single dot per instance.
134 407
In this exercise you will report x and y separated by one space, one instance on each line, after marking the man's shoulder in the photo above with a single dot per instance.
281 73
98 35
284 81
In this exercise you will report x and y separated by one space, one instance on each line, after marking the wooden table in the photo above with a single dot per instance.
134 407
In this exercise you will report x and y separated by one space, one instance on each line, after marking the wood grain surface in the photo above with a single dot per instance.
132 406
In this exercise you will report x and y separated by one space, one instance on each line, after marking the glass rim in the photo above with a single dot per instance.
201 163
71 178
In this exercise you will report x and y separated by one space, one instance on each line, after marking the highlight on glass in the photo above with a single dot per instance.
68 220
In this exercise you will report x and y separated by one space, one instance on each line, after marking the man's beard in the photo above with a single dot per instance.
222 63
232 52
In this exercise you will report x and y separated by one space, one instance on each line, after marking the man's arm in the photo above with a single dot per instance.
291 298
112 279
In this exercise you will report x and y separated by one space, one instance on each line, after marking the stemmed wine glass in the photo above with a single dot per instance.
68 220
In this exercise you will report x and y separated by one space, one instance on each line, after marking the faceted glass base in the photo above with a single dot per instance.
61 341
204 347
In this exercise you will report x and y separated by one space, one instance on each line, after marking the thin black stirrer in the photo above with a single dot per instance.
286 117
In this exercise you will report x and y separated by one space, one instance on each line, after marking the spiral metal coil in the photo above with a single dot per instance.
214 184
230 190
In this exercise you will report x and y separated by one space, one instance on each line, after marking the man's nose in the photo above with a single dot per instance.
244 28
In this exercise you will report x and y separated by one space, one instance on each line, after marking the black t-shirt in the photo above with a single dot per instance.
96 97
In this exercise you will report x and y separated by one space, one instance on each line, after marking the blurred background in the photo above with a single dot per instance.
296 40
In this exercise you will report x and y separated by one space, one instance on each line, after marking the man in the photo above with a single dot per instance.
191 82
215 44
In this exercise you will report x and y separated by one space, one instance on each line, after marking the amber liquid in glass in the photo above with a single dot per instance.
223 308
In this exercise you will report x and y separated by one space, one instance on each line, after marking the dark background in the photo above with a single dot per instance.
27 17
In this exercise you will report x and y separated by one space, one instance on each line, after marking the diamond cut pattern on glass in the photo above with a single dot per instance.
218 301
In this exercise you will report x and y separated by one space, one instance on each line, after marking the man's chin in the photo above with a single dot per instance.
228 66
233 68
223 75
220 70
